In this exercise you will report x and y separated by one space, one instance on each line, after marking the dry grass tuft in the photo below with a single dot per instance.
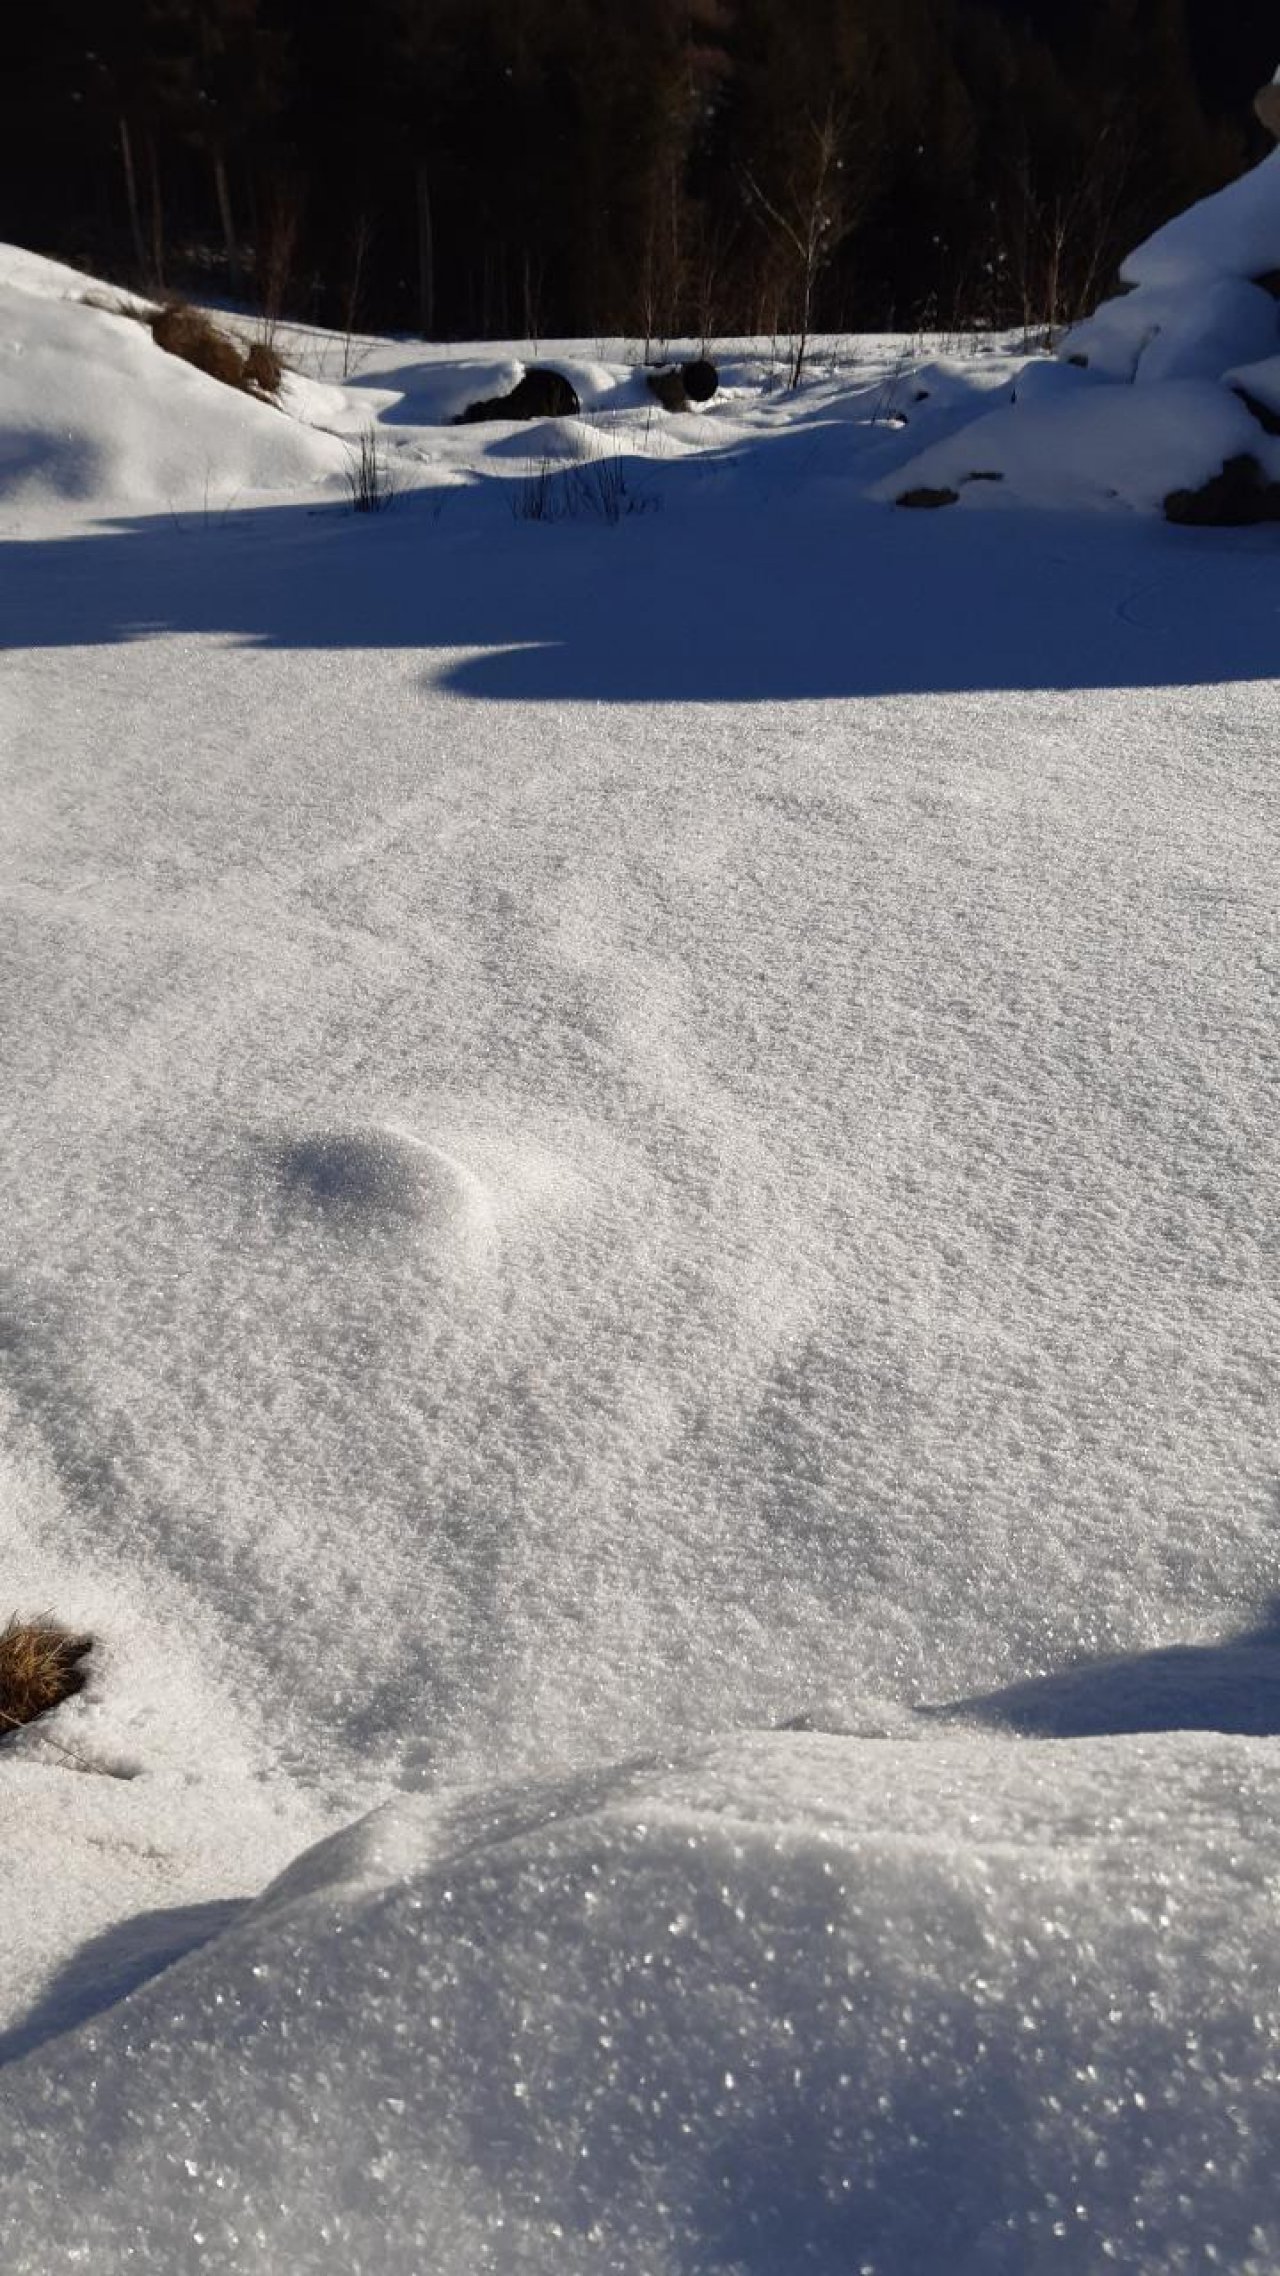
263 369
184 332
118 304
370 484
187 333
38 1668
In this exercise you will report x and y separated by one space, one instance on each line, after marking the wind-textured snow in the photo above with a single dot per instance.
616 1135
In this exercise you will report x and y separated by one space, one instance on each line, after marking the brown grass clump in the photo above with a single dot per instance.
263 370
187 333
184 332
38 1669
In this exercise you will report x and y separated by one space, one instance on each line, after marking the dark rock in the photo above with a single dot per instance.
541 394
985 474
669 389
1237 498
679 385
701 379
1268 283
926 497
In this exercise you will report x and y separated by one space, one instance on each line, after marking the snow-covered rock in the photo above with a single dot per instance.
1092 446
1176 332
1260 383
1197 311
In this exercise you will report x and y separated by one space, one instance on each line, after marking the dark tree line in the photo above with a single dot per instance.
650 167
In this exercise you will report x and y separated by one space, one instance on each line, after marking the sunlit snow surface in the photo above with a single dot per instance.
785 2004
613 1135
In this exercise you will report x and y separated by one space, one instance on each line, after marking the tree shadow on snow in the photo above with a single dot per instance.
108 1967
1232 1686
741 577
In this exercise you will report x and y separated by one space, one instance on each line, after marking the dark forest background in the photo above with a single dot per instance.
657 168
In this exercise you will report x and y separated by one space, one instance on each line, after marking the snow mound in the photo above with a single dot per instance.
1201 307
1260 382
784 2002
1236 232
95 417
421 392
361 1179
1081 445
1173 332
1201 296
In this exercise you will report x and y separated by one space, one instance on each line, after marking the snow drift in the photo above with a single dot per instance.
780 2004
92 412
1202 303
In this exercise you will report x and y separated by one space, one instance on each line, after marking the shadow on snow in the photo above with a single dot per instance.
753 576
1232 1686
107 1967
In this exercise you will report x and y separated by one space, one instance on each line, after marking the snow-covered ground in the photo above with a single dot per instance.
618 1133
1173 378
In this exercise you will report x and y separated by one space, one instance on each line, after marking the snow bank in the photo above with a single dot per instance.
1236 232
424 391
95 418
786 2002
1199 305
1176 332
1082 445
1260 381
1198 311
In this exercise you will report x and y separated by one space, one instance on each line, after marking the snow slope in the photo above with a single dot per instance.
1199 313
617 1134
92 412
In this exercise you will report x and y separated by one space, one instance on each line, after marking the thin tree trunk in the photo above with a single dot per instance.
532 302
157 215
355 285
223 193
131 193
426 257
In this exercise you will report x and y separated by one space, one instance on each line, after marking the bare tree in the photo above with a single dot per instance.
810 216
358 248
276 252
1063 243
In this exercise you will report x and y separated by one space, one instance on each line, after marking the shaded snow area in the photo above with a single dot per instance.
639 1106
1155 392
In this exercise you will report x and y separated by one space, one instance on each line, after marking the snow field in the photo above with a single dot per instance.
615 1137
